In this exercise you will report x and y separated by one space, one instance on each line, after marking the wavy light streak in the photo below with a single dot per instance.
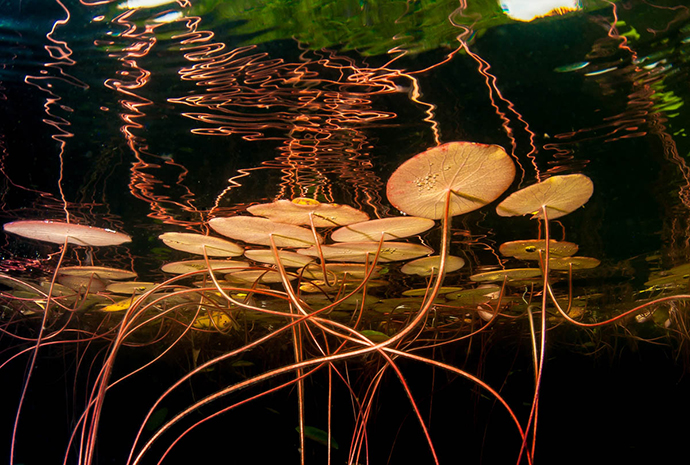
144 184
318 108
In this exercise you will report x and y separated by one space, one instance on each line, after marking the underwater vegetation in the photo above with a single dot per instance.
319 285
236 232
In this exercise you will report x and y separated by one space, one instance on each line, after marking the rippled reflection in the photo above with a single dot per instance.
155 116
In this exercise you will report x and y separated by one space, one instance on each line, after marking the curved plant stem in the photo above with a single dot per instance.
39 342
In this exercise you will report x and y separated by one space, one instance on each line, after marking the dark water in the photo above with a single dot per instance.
158 119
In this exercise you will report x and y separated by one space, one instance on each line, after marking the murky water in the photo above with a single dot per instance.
156 119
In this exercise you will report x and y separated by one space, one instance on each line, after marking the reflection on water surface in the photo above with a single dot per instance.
169 117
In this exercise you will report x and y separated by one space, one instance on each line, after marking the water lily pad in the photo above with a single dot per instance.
390 228
529 249
102 272
251 276
218 320
82 283
430 265
56 232
423 291
352 302
476 296
403 304
188 266
258 231
197 243
287 259
130 287
510 275
340 270
318 435
339 285
559 194
475 174
374 336
298 210
357 251
121 305
677 276
576 263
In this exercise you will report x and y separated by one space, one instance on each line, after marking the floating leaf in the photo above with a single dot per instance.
120 305
188 266
318 435
130 287
358 251
198 243
424 291
374 336
298 210
559 194
218 320
102 272
82 283
575 263
287 259
340 270
475 174
156 419
252 276
430 265
259 230
476 296
56 232
510 275
529 249
390 228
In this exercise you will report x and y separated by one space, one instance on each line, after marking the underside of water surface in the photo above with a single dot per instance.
329 232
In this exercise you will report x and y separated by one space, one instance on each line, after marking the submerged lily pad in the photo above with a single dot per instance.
509 275
251 276
121 305
198 243
359 251
56 232
529 249
474 174
423 291
130 287
82 283
340 270
188 266
287 259
427 266
476 296
675 277
390 228
256 230
297 212
213 320
102 272
559 194
575 263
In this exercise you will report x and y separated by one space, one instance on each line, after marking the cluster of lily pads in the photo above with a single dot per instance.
328 267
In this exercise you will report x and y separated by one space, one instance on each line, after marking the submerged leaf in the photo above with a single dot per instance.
559 194
198 244
474 174
298 211
56 232
374 336
318 435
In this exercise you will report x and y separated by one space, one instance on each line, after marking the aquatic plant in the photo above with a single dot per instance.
331 319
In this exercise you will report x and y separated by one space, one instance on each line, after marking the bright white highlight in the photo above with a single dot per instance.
136 4
527 10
